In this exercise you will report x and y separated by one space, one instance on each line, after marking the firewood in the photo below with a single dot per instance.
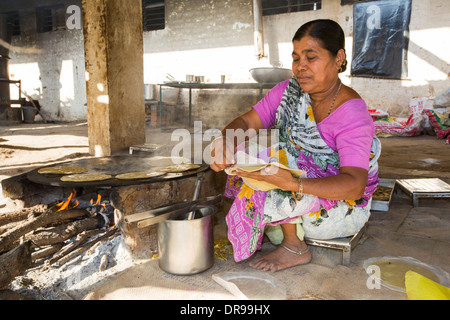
103 262
48 236
16 216
85 247
47 218
80 239
14 263
45 252
93 248
11 295
10 226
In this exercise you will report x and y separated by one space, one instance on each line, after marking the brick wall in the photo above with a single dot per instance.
213 38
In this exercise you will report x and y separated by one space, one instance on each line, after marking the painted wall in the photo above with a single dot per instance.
212 38
50 65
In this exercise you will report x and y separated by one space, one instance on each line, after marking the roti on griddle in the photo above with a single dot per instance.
139 175
180 168
86 177
62 170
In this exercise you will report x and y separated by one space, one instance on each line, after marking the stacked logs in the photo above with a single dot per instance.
43 236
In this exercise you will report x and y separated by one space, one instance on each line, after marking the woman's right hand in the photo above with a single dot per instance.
222 154
222 148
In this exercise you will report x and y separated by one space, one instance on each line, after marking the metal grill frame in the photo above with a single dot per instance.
424 188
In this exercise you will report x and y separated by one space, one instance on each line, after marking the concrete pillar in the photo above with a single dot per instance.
113 41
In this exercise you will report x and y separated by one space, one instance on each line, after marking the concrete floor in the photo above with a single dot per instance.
404 231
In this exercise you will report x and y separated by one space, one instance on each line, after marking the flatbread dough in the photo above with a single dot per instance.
392 272
139 175
62 170
180 168
248 168
261 185
259 166
86 177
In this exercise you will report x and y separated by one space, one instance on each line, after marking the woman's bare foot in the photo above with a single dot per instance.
282 258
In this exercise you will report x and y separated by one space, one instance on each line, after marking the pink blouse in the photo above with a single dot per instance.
349 130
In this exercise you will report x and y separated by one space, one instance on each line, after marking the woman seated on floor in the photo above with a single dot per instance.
326 132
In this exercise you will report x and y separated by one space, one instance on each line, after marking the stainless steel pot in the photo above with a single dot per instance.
185 246
270 75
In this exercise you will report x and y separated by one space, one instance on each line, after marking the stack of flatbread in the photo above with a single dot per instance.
253 164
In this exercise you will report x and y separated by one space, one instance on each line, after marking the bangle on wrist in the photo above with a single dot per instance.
298 195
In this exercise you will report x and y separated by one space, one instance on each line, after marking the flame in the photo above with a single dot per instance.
98 203
68 204
99 198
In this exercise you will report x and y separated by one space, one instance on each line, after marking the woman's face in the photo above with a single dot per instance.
314 67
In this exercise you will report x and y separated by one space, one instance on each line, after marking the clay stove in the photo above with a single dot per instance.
126 196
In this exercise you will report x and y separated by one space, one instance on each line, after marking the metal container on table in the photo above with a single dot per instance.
185 246
270 75
150 91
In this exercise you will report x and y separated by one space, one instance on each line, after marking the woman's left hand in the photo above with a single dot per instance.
274 175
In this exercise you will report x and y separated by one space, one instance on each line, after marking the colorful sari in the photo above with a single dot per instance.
300 146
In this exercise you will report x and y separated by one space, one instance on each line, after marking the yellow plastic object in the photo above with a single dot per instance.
419 287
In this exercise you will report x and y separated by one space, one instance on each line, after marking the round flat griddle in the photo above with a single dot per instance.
113 166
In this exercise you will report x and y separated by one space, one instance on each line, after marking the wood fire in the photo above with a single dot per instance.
68 204
42 236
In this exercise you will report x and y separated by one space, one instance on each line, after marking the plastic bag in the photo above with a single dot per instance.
403 127
443 99
380 41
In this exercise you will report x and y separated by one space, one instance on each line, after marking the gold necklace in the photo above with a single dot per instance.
334 100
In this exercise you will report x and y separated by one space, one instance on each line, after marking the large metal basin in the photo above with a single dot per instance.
270 75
